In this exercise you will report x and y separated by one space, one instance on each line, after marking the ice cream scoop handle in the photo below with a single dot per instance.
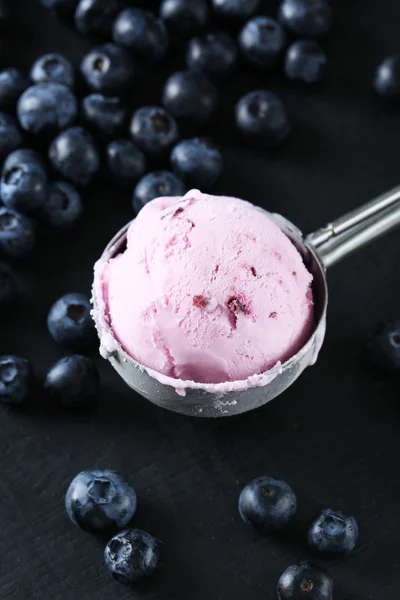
357 228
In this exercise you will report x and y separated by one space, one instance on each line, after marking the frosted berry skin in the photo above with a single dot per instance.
154 130
96 17
10 135
332 532
305 581
235 9
55 68
214 54
387 78
23 185
100 500
13 83
312 18
74 154
190 96
139 32
131 555
156 184
69 322
305 61
267 503
17 234
62 208
262 41
184 18
16 379
197 161
104 115
261 118
46 108
108 69
126 164
72 382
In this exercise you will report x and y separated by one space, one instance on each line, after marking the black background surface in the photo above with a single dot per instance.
334 436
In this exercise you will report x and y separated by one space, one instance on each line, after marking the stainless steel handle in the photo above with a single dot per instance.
357 228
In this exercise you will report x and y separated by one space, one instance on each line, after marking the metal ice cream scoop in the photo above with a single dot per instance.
319 250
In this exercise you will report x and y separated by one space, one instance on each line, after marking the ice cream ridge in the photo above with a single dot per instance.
209 289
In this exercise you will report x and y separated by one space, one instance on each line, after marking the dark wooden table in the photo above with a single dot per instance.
334 436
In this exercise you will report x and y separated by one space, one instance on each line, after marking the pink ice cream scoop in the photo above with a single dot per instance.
209 289
203 289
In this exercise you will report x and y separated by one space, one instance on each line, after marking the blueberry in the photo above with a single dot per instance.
12 84
64 9
235 8
8 289
25 154
125 163
99 500
189 95
106 115
10 135
144 36
72 382
306 17
154 185
333 532
305 581
214 54
184 18
384 346
261 117
16 379
108 69
131 555
62 208
70 323
387 78
17 234
53 67
305 61
74 154
154 130
47 108
23 185
262 41
97 16
197 162
267 503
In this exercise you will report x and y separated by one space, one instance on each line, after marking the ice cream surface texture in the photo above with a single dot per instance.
209 289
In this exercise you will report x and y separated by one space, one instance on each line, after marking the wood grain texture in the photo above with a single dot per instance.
334 436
